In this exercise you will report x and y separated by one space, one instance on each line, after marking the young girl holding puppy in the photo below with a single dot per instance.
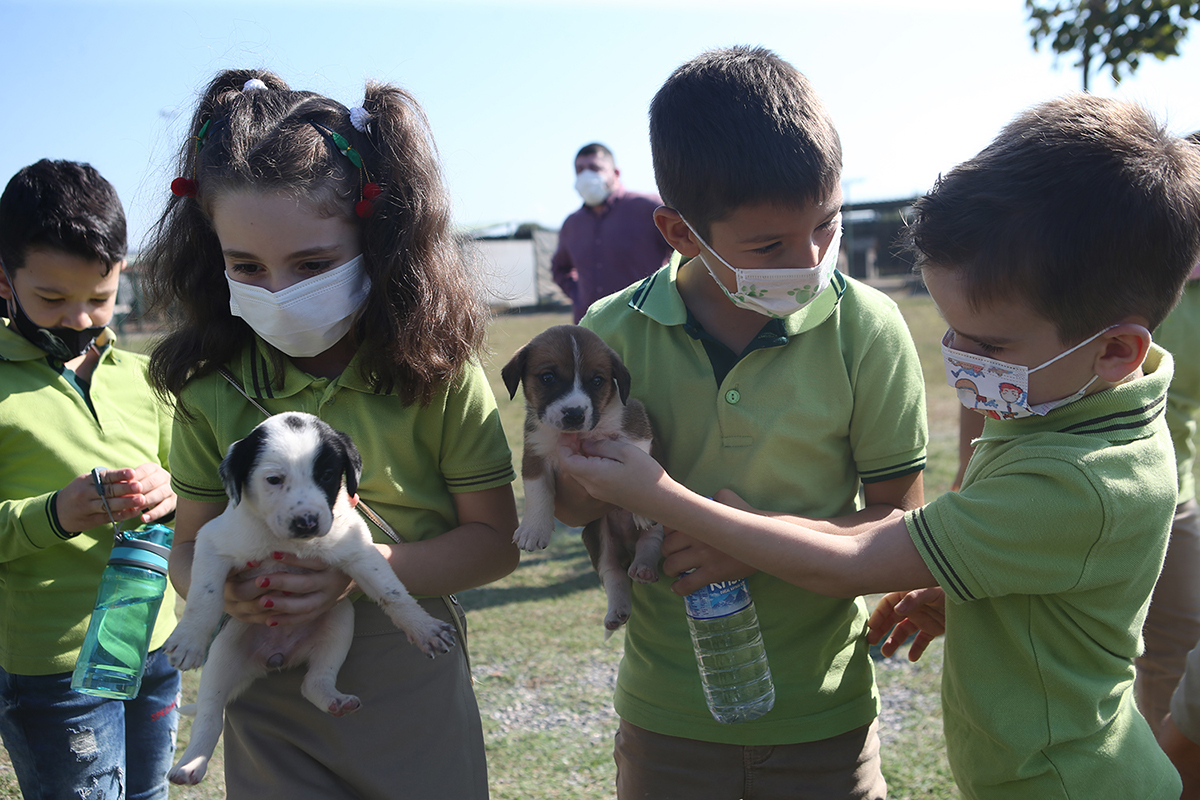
308 255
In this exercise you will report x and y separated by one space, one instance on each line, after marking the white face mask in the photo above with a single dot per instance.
591 187
308 317
776 292
999 389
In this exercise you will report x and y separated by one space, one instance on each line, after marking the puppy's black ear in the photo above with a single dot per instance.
622 377
351 463
514 370
239 462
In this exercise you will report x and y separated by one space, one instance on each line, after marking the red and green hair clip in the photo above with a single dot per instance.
187 187
368 190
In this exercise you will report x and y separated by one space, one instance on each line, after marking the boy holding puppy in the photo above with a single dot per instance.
763 370
1051 255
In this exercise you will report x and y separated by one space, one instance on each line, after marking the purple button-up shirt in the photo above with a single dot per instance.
602 250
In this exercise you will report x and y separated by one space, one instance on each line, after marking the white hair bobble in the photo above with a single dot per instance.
359 118
252 84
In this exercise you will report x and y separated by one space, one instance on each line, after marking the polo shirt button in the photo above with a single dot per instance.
733 396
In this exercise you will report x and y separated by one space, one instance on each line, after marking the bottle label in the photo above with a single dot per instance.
718 600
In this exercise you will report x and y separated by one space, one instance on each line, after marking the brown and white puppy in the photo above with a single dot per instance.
576 389
291 484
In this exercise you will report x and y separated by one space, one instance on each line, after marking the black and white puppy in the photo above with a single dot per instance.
577 388
291 484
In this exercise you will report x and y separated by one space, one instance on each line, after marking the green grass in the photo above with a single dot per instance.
544 675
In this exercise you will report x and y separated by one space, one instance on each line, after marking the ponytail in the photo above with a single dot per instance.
425 316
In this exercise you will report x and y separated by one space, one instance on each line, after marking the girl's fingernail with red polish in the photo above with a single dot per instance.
251 564
268 603
278 556
272 623
264 583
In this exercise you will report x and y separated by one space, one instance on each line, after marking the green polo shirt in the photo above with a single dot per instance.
1180 335
415 458
1049 554
49 436
824 400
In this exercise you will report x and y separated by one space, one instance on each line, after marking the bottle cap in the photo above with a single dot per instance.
136 553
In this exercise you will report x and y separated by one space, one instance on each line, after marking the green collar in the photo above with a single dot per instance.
259 377
15 347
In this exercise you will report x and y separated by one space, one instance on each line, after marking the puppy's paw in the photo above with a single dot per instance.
643 573
530 539
185 651
641 523
614 620
343 704
189 771
434 637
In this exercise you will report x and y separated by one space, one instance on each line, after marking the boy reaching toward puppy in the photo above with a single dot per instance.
765 371
1051 255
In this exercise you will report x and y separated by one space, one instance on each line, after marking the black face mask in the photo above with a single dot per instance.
61 343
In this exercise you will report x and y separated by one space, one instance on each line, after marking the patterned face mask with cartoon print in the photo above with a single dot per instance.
998 389
776 292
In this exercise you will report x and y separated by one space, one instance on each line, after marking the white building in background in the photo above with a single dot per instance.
514 261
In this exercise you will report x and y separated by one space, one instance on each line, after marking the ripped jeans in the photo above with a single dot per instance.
70 746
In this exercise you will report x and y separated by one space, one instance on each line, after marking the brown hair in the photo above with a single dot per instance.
1084 207
425 316
739 126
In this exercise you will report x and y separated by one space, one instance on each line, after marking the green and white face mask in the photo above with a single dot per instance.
776 292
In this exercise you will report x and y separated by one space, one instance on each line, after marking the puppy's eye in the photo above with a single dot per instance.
599 381
547 378
274 480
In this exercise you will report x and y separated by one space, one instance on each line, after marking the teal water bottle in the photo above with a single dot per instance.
131 590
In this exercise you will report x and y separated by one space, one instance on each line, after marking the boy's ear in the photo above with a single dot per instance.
676 232
6 289
1125 348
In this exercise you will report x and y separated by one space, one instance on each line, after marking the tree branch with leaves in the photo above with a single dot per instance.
1112 34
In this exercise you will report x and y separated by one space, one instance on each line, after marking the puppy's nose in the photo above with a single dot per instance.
572 418
304 526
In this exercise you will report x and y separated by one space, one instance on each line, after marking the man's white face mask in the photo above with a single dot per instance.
591 187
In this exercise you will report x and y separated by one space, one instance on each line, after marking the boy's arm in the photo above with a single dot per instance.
846 557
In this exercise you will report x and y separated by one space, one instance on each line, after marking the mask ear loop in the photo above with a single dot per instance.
368 190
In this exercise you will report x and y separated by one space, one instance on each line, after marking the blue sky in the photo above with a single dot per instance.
514 88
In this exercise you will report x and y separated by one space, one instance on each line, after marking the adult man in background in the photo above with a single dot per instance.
611 241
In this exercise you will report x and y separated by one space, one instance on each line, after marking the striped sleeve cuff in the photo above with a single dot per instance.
935 556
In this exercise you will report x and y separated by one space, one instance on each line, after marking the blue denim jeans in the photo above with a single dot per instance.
66 746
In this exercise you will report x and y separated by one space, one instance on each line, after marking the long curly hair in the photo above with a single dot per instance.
425 316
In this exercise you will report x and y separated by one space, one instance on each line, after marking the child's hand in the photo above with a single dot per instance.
299 592
158 498
682 553
921 611
128 492
617 473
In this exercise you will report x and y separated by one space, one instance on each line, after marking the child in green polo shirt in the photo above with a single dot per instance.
1051 255
767 371
70 402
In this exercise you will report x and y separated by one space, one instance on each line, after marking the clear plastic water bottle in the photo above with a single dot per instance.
729 651
131 590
